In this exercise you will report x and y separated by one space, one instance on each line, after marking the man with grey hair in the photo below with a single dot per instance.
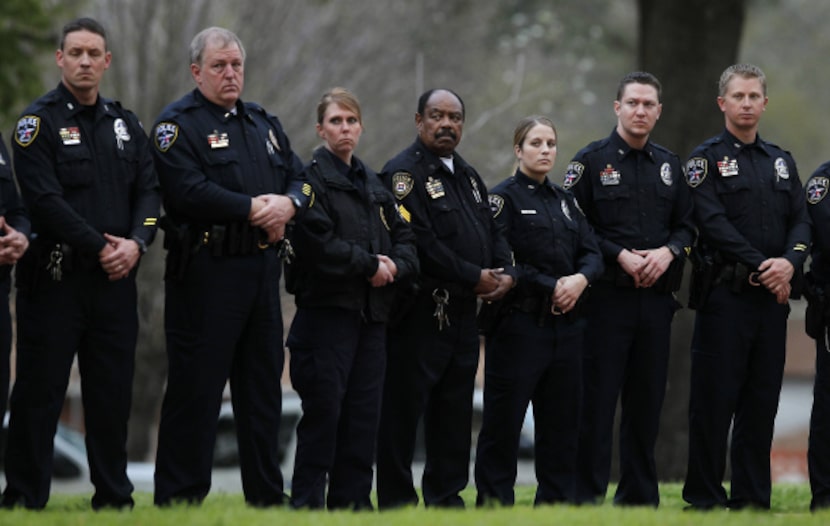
230 183
754 233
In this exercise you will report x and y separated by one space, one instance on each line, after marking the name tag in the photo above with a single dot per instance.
528 212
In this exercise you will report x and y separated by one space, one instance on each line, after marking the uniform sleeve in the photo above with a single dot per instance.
316 240
436 258
798 224
578 181
502 251
13 210
682 226
34 165
186 188
404 251
711 218
589 260
146 191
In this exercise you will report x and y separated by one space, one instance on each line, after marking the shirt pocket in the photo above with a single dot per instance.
612 205
222 167
74 167
445 219
735 194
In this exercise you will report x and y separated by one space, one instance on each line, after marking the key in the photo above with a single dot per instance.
54 266
442 299
286 251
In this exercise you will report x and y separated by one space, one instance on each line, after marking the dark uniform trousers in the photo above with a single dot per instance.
224 315
626 355
818 452
5 348
738 352
338 361
528 363
429 373
87 314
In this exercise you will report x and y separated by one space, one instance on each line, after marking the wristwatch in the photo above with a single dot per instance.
142 246
674 250
295 200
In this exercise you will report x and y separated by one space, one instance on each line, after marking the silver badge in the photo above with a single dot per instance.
566 210
122 133
781 169
270 148
665 174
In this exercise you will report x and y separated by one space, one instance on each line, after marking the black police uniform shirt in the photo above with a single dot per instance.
818 208
11 207
450 215
351 218
634 199
547 231
749 204
84 171
211 161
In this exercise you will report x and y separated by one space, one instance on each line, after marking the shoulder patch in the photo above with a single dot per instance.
816 189
496 204
573 174
27 129
402 184
696 170
165 135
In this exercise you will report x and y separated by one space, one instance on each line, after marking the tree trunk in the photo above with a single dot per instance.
686 45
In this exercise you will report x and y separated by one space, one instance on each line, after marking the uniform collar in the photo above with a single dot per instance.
221 113
623 149
531 184
333 168
71 107
735 146
433 162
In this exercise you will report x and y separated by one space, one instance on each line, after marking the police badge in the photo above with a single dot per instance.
27 129
166 134
401 184
122 133
566 210
816 189
573 174
496 204
696 170
665 174
781 169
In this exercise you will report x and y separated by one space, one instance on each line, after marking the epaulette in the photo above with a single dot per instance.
595 146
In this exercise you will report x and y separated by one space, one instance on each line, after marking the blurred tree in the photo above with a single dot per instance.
686 45
27 34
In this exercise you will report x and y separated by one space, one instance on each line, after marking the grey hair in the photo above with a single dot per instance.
218 36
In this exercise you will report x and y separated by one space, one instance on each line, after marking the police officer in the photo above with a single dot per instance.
86 176
14 240
229 181
433 352
351 246
817 318
754 230
632 192
534 348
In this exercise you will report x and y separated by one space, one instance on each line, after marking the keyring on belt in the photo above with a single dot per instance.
753 279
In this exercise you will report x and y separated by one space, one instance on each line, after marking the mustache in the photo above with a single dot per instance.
446 133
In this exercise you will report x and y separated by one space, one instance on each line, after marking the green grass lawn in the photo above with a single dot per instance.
790 503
